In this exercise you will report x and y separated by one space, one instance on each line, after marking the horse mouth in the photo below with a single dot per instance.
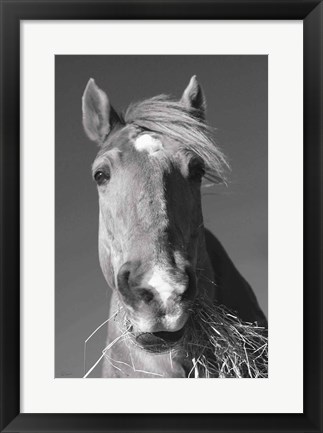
159 341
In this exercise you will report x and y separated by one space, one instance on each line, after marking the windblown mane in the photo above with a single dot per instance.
171 118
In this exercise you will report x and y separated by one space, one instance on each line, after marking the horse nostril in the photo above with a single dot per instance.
123 277
190 291
129 278
145 295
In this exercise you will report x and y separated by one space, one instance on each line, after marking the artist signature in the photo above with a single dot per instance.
65 374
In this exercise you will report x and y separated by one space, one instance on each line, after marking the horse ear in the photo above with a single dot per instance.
193 97
98 115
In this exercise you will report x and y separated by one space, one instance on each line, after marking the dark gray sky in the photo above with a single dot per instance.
236 92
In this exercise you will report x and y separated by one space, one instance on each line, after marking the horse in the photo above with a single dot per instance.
154 251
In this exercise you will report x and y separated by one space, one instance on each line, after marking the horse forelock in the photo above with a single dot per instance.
170 119
177 124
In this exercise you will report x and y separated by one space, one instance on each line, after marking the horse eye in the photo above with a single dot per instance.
196 170
101 177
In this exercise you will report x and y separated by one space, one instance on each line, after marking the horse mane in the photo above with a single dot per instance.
172 119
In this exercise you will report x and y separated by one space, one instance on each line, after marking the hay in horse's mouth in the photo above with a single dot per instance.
222 345
218 343
214 341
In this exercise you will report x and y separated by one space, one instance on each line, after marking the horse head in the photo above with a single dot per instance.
148 171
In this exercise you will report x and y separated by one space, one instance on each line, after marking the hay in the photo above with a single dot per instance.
216 343
221 345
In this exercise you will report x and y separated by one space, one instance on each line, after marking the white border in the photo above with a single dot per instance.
282 392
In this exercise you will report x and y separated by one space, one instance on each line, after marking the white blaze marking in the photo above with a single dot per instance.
148 143
160 281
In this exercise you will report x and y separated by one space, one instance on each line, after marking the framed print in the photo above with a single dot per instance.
161 216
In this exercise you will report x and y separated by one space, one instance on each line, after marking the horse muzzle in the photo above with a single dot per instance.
156 301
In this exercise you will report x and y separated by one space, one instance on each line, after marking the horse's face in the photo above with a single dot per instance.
150 216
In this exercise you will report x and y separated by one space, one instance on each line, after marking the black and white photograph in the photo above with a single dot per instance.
161 216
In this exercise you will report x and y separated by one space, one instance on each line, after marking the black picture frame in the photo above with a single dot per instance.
12 12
